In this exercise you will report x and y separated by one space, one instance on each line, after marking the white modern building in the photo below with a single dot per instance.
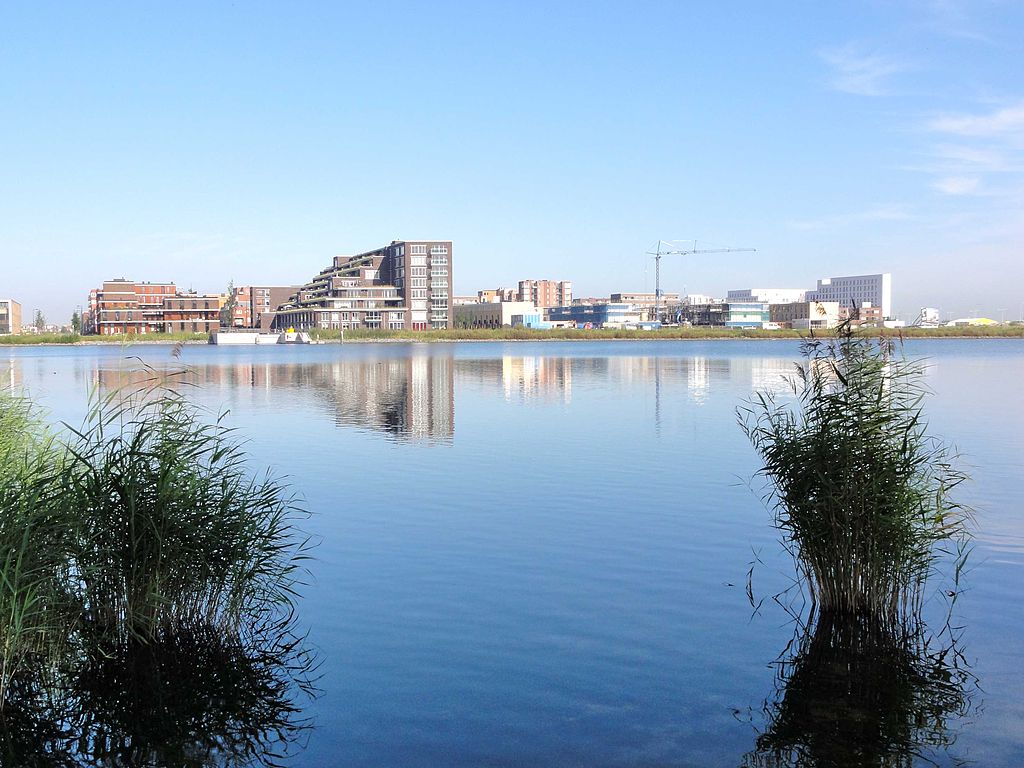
698 298
768 295
492 314
856 290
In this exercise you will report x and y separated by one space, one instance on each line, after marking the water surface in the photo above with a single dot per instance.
536 553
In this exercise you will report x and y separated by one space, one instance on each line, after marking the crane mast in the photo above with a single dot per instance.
670 248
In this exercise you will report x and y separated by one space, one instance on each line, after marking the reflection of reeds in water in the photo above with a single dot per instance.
855 693
199 697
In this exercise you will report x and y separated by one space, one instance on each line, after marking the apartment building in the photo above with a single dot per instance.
10 317
125 306
255 305
403 285
192 312
490 295
856 290
129 307
545 293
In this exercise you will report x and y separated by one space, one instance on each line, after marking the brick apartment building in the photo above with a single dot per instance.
255 304
125 307
10 317
545 293
192 313
403 285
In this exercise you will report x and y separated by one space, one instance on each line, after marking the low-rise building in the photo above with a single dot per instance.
647 304
736 314
10 317
805 315
493 314
606 315
864 314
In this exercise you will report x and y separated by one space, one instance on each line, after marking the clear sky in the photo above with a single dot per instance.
206 142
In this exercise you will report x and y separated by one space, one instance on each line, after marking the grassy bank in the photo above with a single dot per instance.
527 334
75 338
577 334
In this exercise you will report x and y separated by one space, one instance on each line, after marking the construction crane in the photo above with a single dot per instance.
672 248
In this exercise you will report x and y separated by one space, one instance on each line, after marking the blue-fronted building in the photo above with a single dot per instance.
595 315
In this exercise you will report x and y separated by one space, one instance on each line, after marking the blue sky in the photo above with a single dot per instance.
208 142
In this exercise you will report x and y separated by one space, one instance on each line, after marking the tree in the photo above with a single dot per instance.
76 322
40 320
228 310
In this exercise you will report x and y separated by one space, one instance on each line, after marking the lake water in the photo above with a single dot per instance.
536 554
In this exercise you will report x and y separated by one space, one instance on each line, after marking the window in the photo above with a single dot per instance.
418 250
439 250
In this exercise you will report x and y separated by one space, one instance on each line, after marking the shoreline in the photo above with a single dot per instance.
1013 335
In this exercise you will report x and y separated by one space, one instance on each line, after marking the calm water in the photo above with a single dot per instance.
536 554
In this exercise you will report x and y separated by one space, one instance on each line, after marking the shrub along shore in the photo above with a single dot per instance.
528 334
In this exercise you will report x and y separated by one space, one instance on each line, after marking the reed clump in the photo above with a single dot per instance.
37 600
142 524
174 531
860 490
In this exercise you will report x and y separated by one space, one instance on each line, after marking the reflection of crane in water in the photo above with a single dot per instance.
673 248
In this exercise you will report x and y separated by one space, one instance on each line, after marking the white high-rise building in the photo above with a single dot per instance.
856 290
768 295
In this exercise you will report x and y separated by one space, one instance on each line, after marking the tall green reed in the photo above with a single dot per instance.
861 491
144 522
37 600
174 529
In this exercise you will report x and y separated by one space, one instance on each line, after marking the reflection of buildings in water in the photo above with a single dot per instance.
11 377
530 377
698 379
523 377
539 376
407 397
666 377
766 374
